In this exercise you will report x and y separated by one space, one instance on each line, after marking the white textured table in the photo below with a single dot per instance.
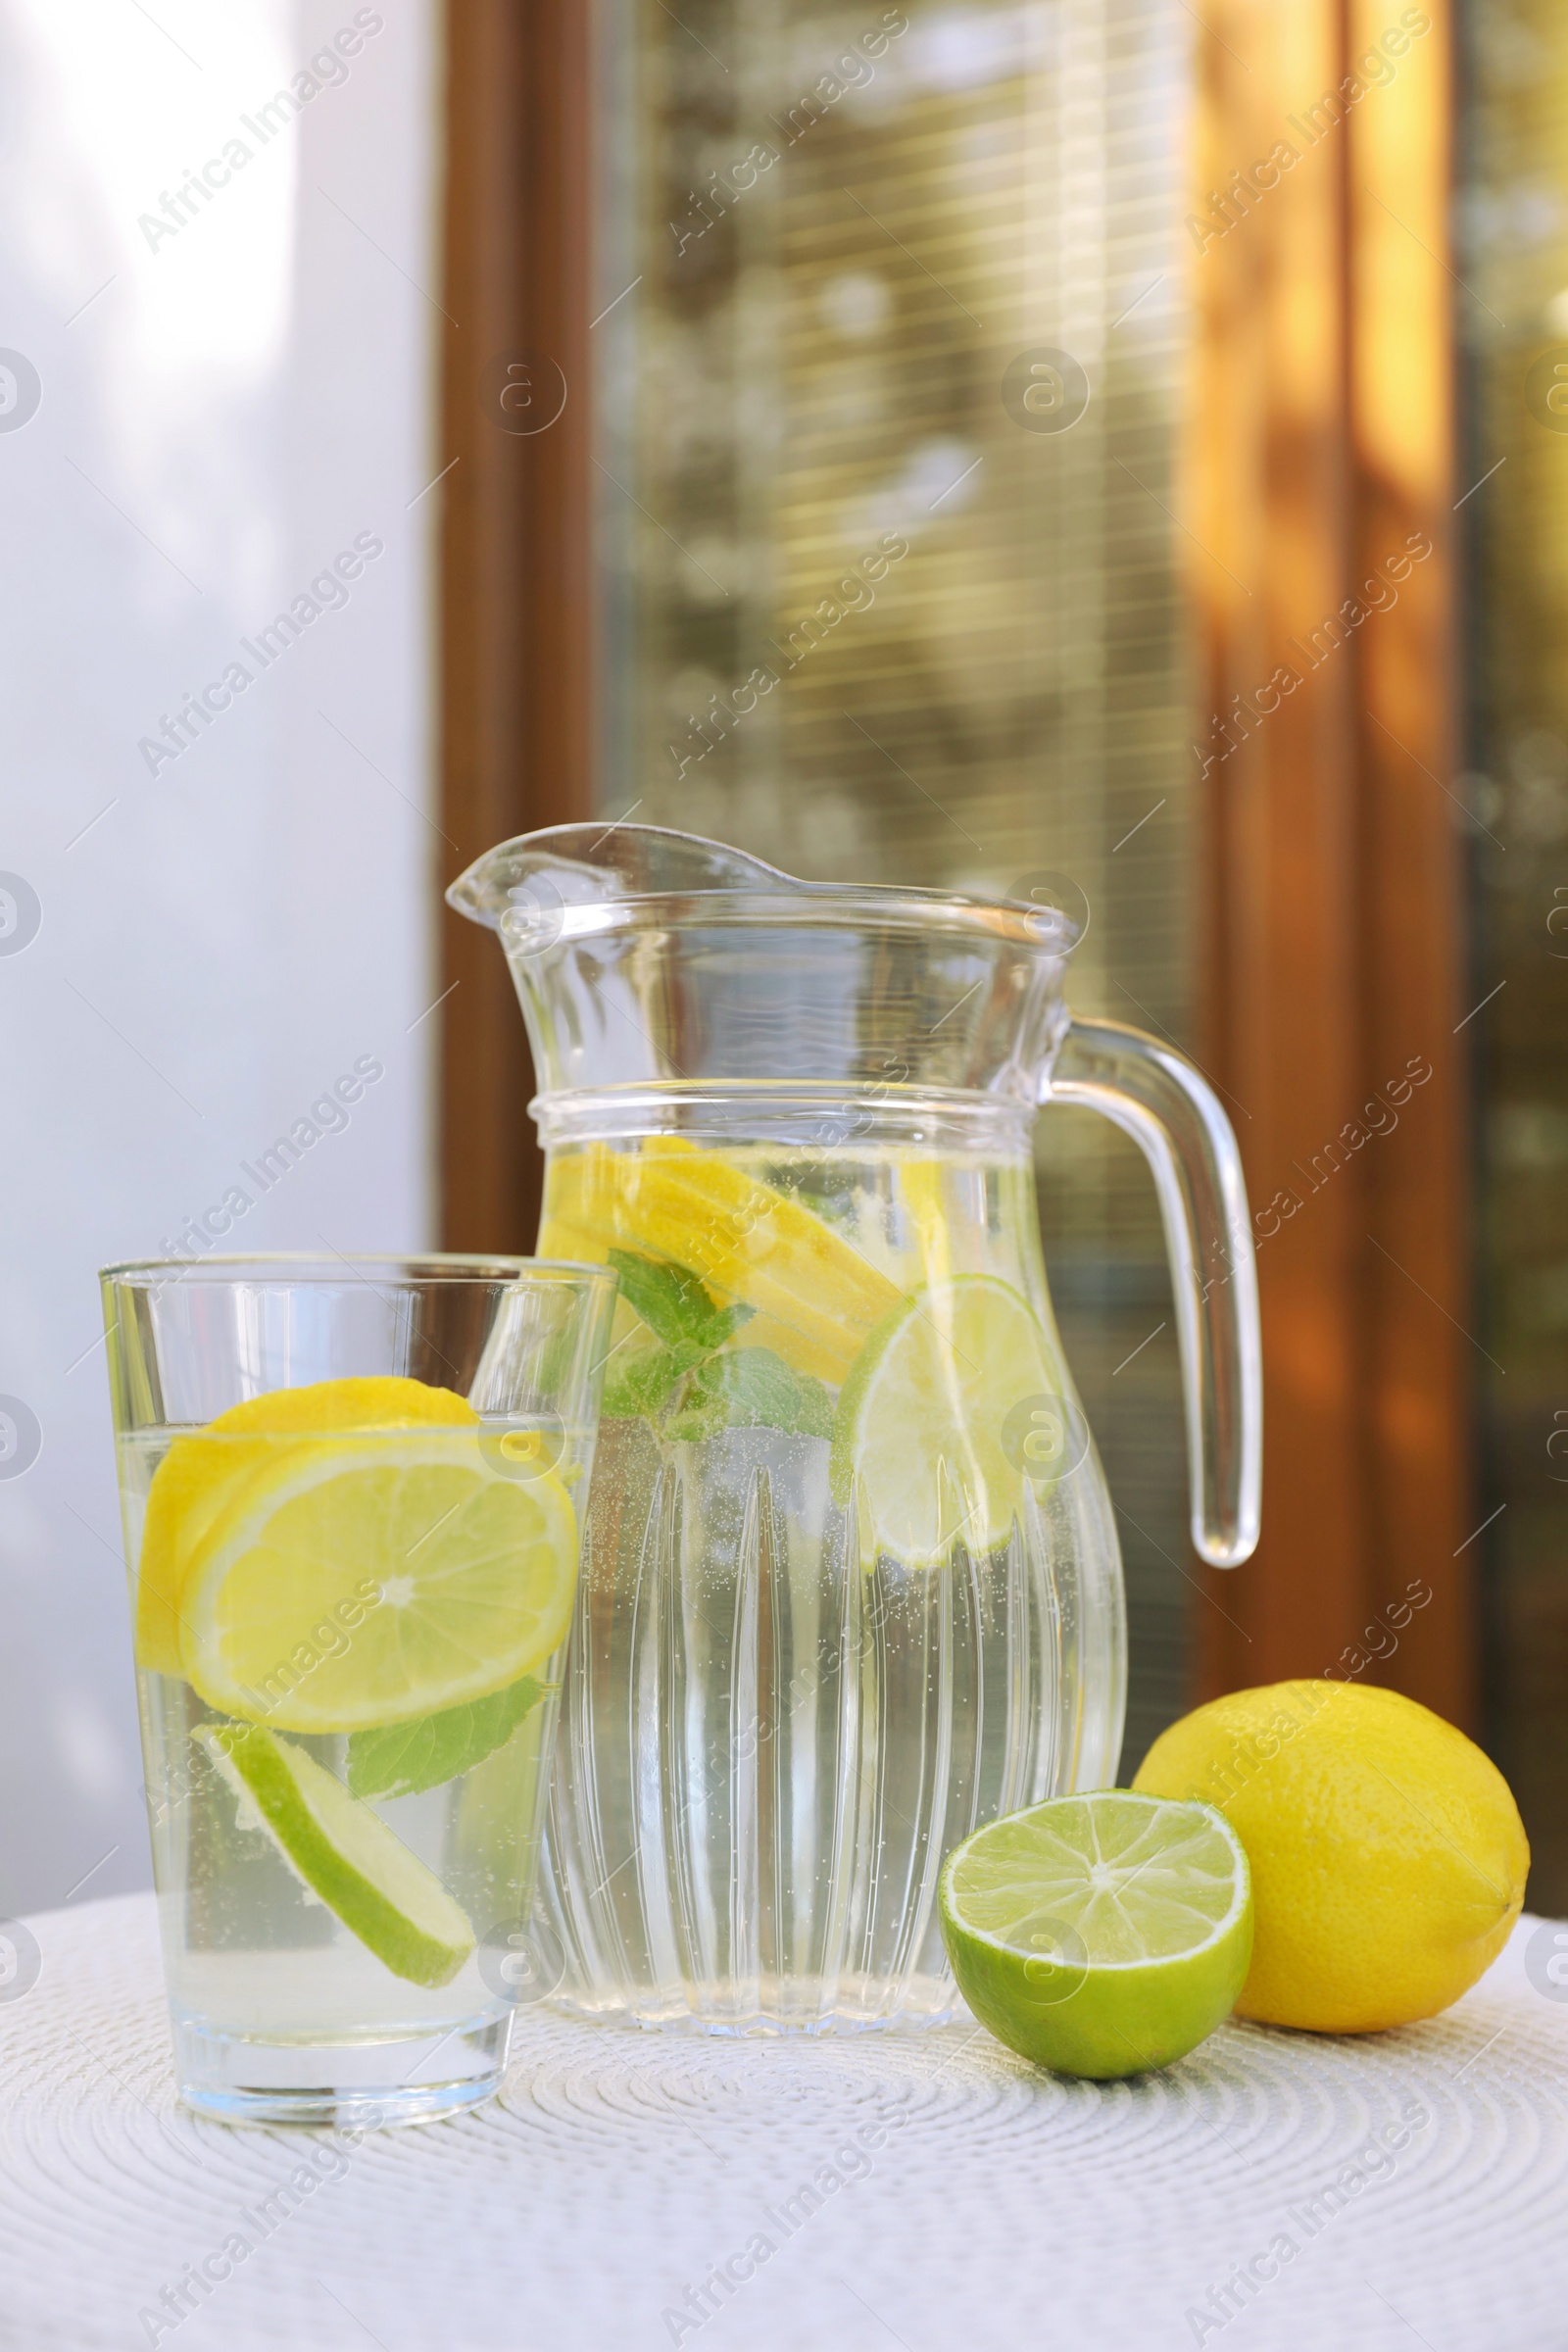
976 2204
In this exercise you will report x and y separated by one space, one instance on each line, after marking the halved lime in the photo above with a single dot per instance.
922 1434
1100 1934
367 1580
345 1853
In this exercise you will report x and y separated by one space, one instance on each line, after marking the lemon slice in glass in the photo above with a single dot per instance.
1100 1934
199 1472
344 1853
927 1427
373 1579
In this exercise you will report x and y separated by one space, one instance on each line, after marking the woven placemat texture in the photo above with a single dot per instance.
632 2191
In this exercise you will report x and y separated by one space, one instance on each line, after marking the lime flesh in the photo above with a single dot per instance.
345 1853
922 1435
1100 1934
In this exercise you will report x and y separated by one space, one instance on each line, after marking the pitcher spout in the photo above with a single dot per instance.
580 864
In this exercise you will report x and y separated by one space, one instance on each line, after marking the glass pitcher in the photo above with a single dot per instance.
851 1581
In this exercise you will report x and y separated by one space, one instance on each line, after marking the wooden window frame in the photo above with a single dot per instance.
516 619
1321 442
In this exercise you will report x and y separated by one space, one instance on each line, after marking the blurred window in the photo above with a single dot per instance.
886 348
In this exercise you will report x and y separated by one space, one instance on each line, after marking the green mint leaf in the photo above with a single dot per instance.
639 1383
408 1757
676 1306
751 1389
669 1299
725 1321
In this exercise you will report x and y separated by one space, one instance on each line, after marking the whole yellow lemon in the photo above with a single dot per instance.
1387 1855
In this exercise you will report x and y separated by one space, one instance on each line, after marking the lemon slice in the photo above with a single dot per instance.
344 1853
197 1473
368 1580
1100 1934
928 1428
816 1297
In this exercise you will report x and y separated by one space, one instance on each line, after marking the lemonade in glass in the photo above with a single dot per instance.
351 1494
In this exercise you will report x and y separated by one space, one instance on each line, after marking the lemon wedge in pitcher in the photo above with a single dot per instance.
814 1298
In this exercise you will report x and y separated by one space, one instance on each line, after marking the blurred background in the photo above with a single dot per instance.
198 938
1156 343
987 184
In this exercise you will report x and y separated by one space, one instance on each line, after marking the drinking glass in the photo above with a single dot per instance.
351 1492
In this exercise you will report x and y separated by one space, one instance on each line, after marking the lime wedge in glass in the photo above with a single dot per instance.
922 1434
1100 1934
344 1853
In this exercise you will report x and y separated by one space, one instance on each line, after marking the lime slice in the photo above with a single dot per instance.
367 1580
928 1417
197 1473
345 1853
1100 1934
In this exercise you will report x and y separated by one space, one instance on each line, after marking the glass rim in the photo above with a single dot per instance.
1042 930
317 1265
840 1113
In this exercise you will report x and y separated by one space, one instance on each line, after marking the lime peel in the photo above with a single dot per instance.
344 1853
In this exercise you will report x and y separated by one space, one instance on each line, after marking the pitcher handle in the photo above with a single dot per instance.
1174 1115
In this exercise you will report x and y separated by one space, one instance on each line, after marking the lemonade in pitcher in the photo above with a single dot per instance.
830 1615
850 1583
